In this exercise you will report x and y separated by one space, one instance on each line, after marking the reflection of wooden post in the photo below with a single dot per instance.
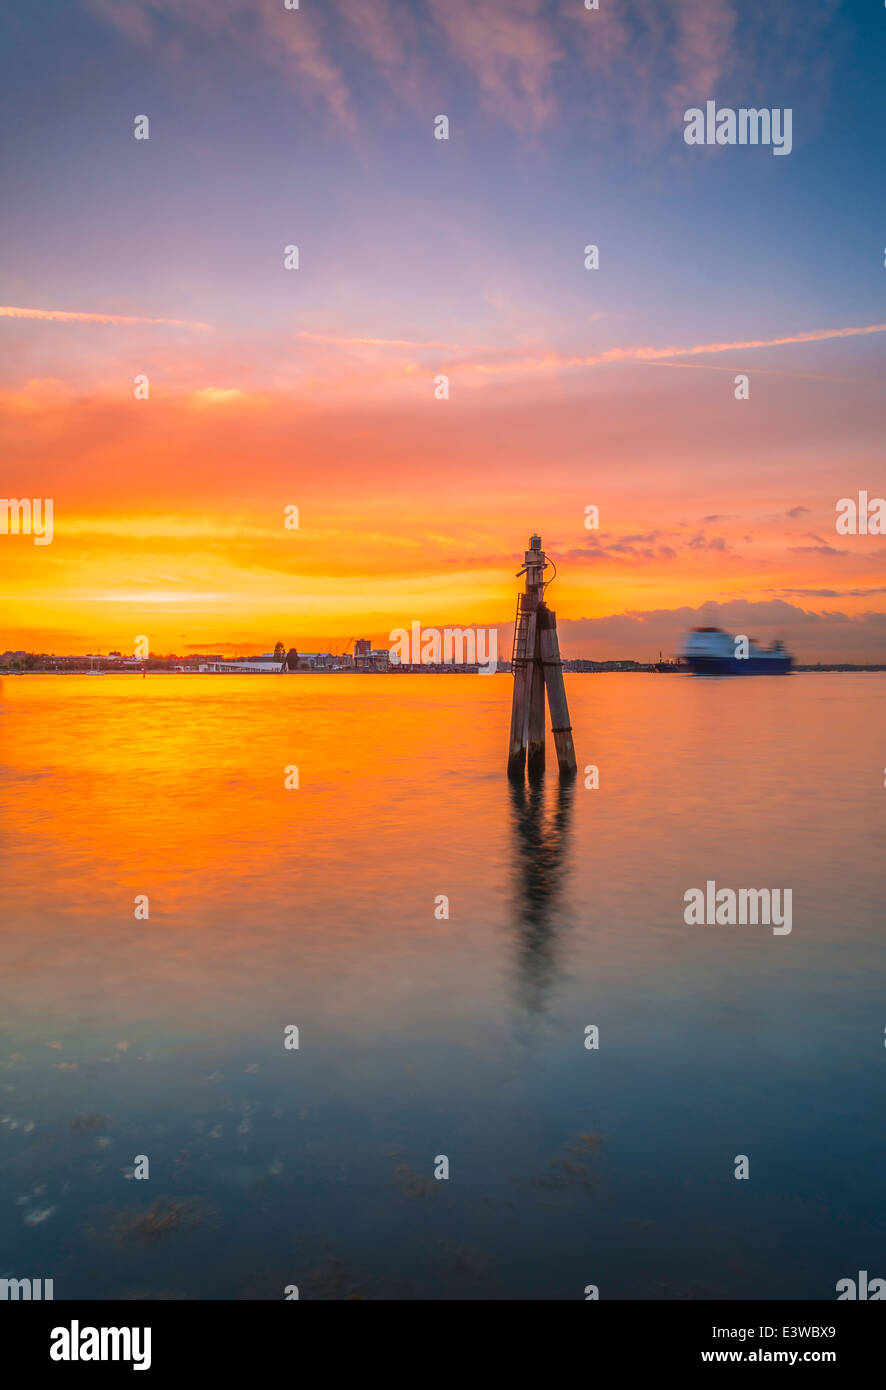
549 650
537 666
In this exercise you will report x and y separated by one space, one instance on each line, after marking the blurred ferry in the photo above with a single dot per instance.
709 651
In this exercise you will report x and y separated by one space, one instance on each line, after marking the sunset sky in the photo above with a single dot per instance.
419 257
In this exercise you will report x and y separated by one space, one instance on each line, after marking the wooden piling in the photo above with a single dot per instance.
535 743
549 652
537 668
524 640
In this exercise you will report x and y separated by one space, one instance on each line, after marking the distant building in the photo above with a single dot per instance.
254 663
580 664
362 649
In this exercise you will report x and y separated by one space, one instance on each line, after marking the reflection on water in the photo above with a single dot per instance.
163 1036
540 840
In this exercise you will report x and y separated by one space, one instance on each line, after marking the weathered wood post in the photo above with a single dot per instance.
536 666
549 652
535 748
524 641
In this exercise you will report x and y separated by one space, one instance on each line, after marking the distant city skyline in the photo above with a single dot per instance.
162 260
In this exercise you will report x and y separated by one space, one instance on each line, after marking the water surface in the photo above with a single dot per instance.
421 1036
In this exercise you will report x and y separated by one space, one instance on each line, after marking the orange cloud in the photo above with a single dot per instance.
169 514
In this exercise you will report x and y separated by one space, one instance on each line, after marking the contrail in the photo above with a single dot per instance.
556 361
11 311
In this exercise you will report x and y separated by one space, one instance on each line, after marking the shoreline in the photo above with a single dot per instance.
604 670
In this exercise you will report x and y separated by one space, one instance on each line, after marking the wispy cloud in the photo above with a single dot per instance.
829 593
12 311
769 371
637 67
554 361
623 550
411 343
511 50
490 361
703 44
287 39
821 547
702 542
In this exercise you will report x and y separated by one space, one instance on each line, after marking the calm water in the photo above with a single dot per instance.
422 1037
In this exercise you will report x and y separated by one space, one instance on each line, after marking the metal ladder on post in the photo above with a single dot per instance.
519 652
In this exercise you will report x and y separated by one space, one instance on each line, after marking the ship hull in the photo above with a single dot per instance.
732 666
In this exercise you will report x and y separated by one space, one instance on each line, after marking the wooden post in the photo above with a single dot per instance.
549 648
535 746
524 640
537 667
